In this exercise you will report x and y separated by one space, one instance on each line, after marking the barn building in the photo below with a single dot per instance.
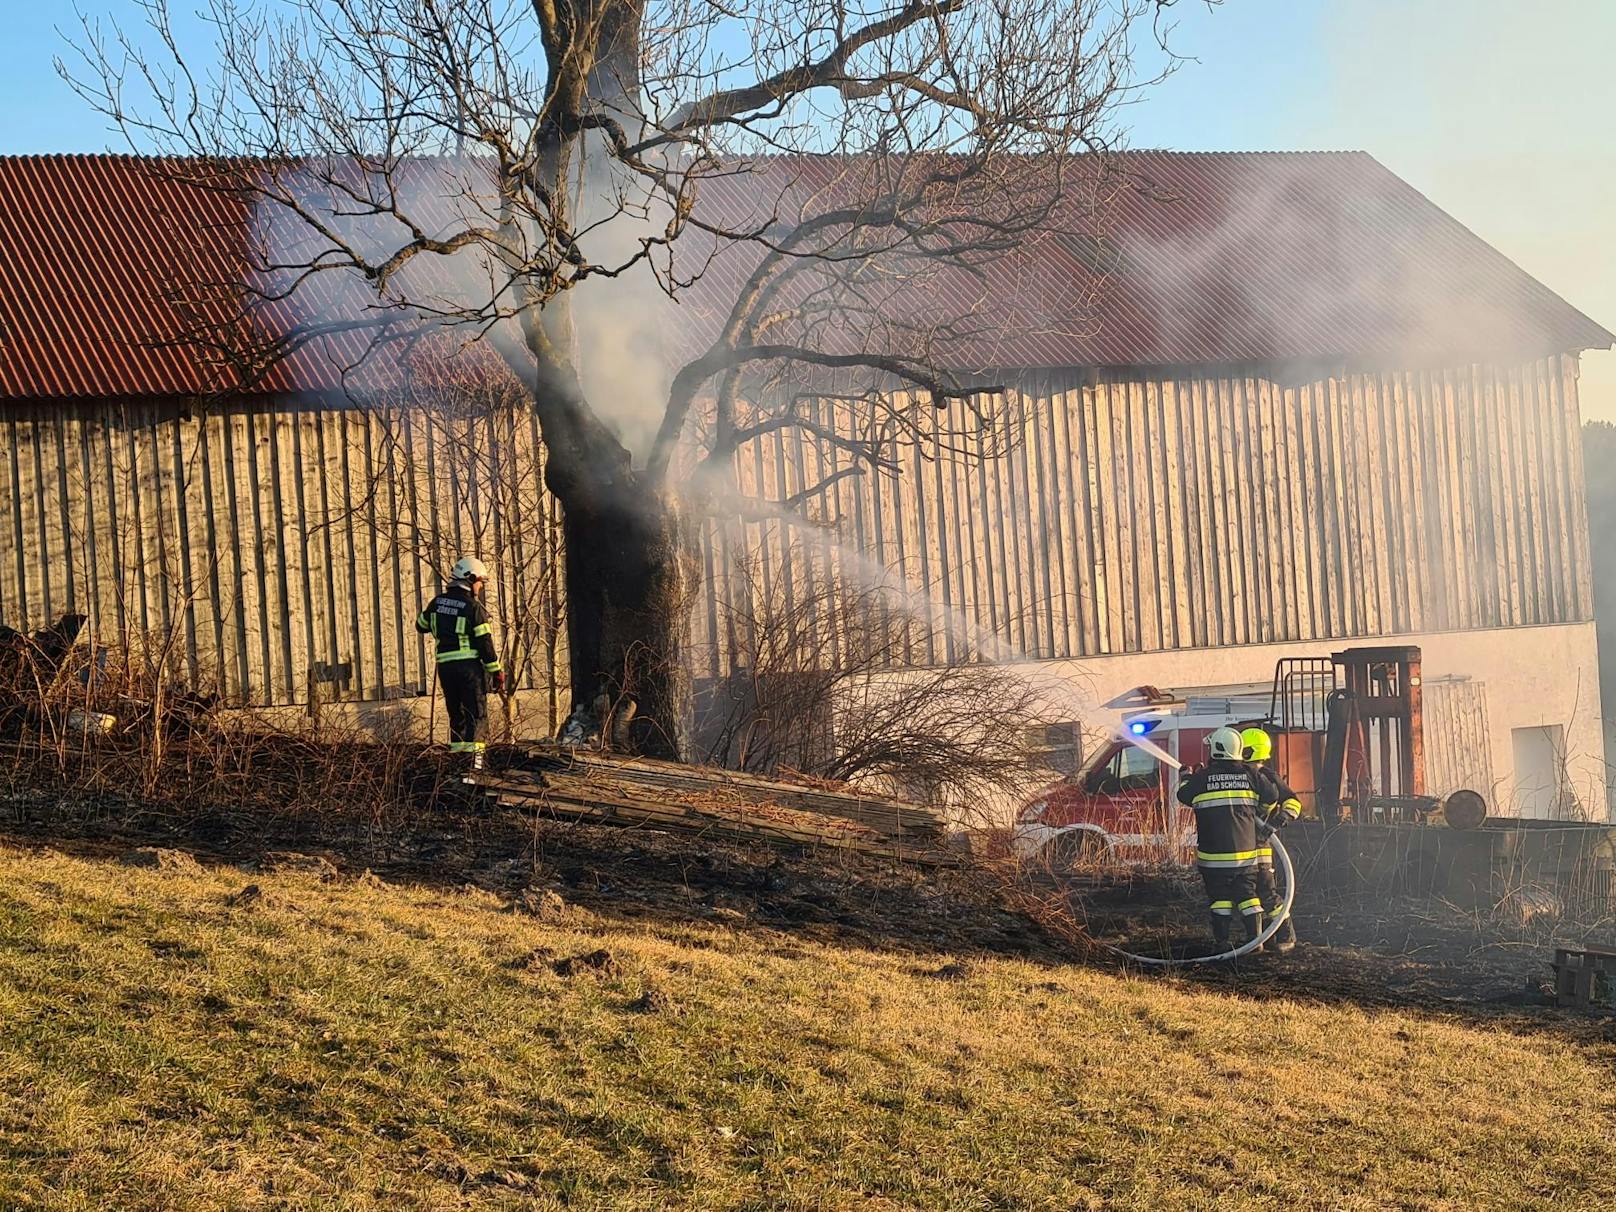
1311 410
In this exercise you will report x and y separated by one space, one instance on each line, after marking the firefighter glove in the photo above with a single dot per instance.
496 682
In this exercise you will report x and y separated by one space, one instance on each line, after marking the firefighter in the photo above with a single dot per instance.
468 667
1229 797
1257 747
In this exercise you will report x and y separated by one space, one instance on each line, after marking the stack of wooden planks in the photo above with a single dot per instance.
719 803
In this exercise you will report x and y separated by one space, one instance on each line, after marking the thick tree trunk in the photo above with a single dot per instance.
632 579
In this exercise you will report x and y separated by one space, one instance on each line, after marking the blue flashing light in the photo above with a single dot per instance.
1141 727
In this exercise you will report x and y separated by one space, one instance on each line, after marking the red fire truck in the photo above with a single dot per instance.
1347 740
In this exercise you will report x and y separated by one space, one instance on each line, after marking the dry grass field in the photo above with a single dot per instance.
199 1038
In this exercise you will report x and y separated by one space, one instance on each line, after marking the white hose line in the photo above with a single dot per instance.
1284 859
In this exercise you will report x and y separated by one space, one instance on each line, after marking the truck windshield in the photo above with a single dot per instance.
1136 767
1122 767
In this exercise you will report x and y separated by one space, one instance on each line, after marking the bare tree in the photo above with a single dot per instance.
680 224
957 736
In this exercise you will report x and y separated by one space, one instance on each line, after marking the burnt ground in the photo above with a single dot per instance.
1411 955
1371 951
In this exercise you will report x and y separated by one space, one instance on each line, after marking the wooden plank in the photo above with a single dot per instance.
379 607
1556 477
1088 529
283 600
1533 521
308 626
1119 604
1173 518
1311 516
1000 531
398 580
89 520
1581 562
1232 528
1399 568
985 518
1371 516
1486 499
1245 536
64 541
25 501
973 564
248 536
195 556
13 563
218 630
1508 498
331 534
1344 533
900 500
1143 522
1203 622
1459 536
1061 468
1291 574
1043 534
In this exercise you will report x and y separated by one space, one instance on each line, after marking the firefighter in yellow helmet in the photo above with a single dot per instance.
1229 797
1257 747
468 666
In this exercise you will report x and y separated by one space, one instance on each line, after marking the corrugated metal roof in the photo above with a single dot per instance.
1204 257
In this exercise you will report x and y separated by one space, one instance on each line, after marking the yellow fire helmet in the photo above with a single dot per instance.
1259 746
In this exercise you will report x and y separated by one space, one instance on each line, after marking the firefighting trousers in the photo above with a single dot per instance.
465 695
1268 888
1232 890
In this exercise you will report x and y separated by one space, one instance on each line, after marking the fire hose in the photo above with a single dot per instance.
1283 858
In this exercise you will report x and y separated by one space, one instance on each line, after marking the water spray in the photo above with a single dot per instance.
919 604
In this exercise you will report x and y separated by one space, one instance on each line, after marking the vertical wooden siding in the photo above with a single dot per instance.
246 546
1135 513
1124 513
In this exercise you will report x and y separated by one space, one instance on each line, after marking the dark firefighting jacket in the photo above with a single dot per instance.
1229 799
456 621
1286 810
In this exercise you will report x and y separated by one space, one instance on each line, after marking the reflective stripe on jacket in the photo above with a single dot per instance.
1229 798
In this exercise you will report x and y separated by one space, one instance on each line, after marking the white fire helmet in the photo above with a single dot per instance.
469 568
1225 743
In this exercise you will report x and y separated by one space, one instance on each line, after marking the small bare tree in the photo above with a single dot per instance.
747 199
815 688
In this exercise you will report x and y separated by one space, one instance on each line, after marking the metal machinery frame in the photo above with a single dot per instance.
1350 732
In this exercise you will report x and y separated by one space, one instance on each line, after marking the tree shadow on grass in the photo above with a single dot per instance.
1379 958
625 874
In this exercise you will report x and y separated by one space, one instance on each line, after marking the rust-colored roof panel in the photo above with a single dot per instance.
1210 258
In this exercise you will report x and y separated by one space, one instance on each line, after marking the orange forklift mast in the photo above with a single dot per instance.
1349 733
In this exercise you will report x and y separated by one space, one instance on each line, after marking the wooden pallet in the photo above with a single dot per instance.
1585 977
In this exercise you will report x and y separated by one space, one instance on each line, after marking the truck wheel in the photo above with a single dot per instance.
1074 851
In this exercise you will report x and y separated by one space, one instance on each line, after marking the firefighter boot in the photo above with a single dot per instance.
1254 926
1285 940
1220 930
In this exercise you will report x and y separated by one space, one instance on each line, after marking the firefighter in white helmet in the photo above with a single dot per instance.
1229 798
468 666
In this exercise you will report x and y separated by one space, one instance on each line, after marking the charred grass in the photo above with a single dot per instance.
171 1039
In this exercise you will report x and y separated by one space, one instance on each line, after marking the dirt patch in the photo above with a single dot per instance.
160 857
600 961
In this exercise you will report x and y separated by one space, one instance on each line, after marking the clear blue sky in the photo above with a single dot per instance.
1500 110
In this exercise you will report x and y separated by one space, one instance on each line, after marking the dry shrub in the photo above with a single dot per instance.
829 680
168 741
